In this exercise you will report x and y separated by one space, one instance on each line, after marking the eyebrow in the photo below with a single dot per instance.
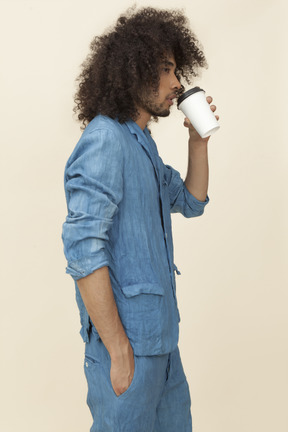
169 63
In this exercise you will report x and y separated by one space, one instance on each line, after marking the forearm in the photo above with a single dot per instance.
97 295
198 170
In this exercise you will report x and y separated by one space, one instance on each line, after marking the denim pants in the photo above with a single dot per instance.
157 399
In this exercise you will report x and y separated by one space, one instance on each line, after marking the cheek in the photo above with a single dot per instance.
164 85
163 92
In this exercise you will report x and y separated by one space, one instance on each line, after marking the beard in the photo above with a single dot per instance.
153 108
156 110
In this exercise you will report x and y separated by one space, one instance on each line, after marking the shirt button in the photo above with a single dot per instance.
166 235
86 364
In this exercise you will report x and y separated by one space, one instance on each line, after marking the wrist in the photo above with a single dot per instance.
198 142
120 349
198 151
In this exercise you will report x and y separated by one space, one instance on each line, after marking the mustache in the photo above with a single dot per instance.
180 91
177 93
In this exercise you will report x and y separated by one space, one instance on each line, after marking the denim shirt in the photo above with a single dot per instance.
119 198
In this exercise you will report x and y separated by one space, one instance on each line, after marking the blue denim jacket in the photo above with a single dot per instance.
119 197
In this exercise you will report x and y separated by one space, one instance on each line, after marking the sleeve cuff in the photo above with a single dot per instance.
87 265
194 203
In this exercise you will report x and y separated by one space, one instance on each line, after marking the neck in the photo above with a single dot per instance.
143 118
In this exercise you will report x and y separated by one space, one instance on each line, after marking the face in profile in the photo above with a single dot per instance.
158 103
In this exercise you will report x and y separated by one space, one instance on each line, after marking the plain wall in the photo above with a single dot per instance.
232 293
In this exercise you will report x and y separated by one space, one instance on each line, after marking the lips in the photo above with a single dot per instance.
170 98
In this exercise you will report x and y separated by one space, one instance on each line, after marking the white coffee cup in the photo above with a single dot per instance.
194 105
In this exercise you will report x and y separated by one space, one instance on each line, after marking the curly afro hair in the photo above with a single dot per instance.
126 59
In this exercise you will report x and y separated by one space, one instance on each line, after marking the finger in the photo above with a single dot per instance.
187 122
188 125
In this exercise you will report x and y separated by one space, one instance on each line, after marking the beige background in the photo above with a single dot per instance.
233 288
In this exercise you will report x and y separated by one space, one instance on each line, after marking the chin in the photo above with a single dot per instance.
164 113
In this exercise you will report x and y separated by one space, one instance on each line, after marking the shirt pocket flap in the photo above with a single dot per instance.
143 288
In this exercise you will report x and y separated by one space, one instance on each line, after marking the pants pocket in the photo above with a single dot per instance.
132 384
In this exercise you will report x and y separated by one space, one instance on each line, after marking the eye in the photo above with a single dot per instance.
166 70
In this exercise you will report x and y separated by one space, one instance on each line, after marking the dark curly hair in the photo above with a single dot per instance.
126 59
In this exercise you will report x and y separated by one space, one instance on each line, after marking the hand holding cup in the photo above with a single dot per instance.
200 117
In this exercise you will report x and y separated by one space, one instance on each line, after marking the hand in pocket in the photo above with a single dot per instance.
122 371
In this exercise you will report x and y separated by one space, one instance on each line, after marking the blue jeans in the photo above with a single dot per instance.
157 399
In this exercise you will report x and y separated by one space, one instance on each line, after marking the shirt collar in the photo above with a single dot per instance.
136 130
143 136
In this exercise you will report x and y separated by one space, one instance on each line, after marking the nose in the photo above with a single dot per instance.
176 83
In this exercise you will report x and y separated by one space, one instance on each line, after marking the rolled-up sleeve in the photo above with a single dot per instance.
181 200
93 183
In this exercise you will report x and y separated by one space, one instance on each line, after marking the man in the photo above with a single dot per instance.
117 235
